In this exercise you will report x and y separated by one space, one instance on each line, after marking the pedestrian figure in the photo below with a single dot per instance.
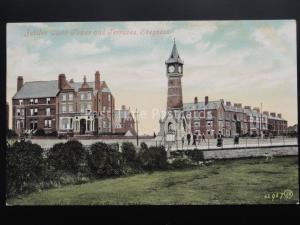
203 137
188 138
194 139
199 139
182 140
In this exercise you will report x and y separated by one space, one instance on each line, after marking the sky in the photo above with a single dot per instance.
248 62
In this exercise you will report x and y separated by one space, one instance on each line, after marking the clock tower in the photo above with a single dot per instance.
174 66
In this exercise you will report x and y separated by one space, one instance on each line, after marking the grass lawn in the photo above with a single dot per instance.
243 181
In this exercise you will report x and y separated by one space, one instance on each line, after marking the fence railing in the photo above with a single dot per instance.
208 143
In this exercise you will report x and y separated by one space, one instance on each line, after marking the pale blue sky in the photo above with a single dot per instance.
240 61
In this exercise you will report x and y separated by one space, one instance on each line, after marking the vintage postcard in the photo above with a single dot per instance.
152 113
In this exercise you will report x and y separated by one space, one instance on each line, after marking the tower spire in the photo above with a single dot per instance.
174 57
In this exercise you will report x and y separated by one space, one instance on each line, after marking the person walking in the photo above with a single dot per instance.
188 138
182 141
194 139
199 138
203 137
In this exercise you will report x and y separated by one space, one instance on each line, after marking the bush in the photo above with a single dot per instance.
104 160
153 158
69 156
11 134
180 163
24 167
39 132
143 146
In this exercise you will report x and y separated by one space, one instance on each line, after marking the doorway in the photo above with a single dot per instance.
82 126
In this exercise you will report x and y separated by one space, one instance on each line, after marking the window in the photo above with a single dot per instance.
82 96
104 108
104 124
31 112
108 97
196 124
70 108
64 108
31 101
64 98
48 123
89 95
71 97
82 108
36 101
209 115
18 124
71 123
89 108
21 102
48 100
48 112
35 112
18 112
22 112
196 114
202 114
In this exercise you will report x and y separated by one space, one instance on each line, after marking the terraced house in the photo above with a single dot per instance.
66 107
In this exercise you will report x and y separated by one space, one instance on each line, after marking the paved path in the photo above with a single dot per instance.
211 143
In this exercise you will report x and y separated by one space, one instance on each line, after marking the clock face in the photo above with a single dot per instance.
179 69
171 69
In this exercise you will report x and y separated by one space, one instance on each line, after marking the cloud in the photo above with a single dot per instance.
193 32
80 48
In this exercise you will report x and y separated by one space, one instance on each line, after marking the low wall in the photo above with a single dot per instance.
250 152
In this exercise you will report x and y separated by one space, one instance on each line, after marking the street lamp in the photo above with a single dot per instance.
137 128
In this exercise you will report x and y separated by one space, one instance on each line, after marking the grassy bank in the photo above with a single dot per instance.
243 181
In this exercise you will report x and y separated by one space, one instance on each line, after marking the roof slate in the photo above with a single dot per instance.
38 89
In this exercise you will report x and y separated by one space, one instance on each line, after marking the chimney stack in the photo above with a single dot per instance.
61 81
97 80
238 105
279 115
273 114
71 81
247 107
228 103
195 100
266 113
206 100
20 83
123 107
256 109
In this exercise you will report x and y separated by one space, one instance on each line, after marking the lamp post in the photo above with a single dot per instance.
260 130
137 127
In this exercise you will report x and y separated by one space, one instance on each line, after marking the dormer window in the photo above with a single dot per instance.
18 112
48 100
36 101
35 112
71 97
64 97
31 101
21 102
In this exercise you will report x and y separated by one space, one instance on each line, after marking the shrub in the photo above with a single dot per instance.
39 132
143 146
69 156
11 134
180 163
104 160
24 167
153 158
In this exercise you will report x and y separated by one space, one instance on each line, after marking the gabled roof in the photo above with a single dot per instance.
201 105
38 89
174 57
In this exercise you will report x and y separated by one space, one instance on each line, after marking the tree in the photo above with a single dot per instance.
104 160
153 158
24 167
69 156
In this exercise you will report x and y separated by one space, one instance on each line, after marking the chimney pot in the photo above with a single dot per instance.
61 81
228 103
206 100
19 83
97 80
195 100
